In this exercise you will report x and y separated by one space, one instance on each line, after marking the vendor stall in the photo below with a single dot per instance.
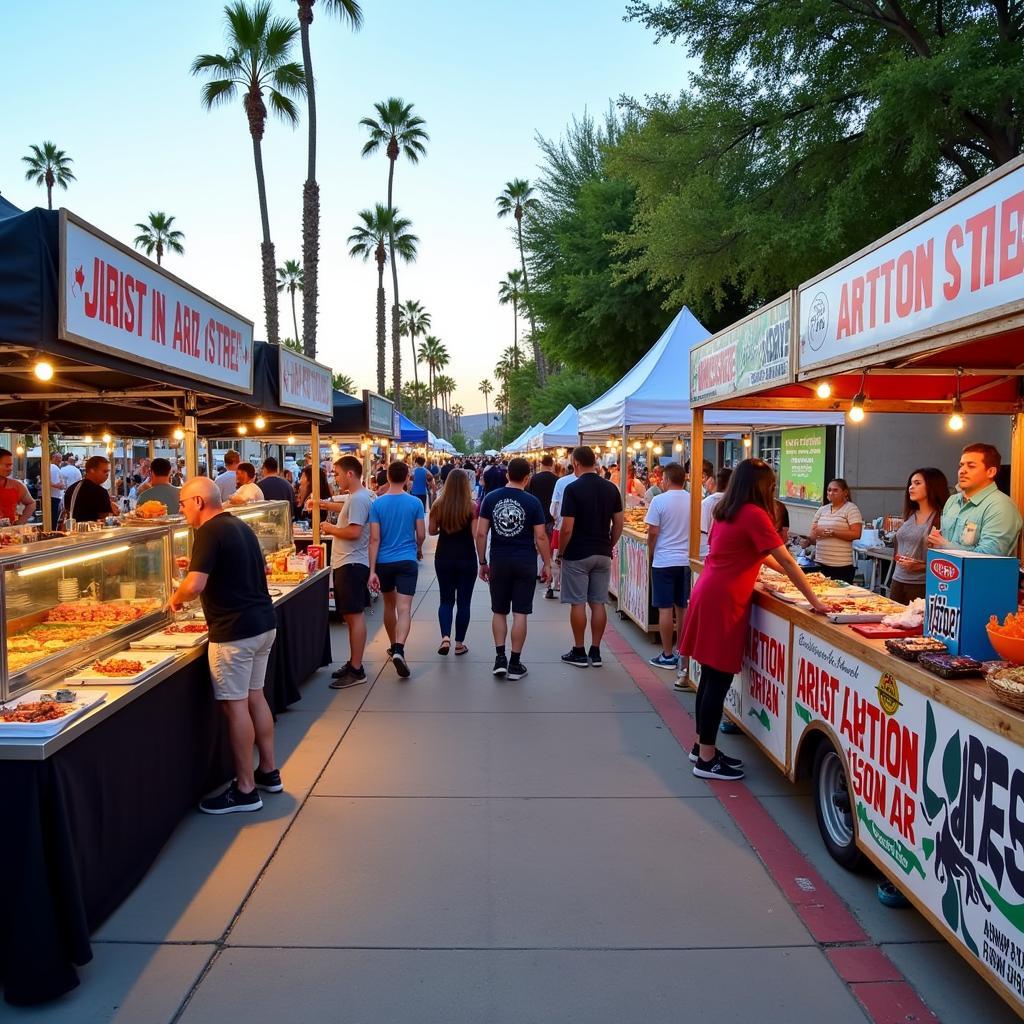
562 432
918 772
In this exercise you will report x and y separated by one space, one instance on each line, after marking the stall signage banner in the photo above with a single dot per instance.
746 357
614 581
380 414
964 261
634 596
305 384
802 465
764 701
115 301
938 800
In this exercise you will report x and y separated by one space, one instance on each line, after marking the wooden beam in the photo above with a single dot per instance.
696 455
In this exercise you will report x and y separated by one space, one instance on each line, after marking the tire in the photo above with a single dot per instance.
833 807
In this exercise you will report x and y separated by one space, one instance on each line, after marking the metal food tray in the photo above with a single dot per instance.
17 730
151 660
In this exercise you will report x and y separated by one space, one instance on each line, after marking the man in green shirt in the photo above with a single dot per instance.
979 517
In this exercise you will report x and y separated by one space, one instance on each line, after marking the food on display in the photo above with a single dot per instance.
868 604
950 666
1007 683
286 577
912 647
1011 626
31 712
634 519
100 611
151 510
186 627
118 667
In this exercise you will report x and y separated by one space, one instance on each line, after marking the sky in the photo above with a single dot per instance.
108 82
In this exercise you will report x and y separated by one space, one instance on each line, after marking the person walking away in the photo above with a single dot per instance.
707 507
88 500
420 481
515 522
350 564
14 495
69 471
274 486
926 495
714 634
227 573
555 508
397 531
449 465
836 525
979 517
592 521
247 490
668 540
542 487
494 476
451 521
161 488
227 482
56 489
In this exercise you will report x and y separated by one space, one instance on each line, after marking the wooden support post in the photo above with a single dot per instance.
191 437
44 474
696 446
1017 467
314 478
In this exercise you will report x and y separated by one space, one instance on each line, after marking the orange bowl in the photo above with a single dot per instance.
1009 648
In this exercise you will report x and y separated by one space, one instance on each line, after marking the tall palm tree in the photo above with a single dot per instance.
347 10
485 387
433 353
49 166
413 319
378 226
157 235
457 412
257 61
290 278
445 386
518 200
400 132
509 293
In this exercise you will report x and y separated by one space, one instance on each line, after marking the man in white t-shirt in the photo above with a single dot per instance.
707 507
227 482
668 539
247 490
69 472
56 489
556 514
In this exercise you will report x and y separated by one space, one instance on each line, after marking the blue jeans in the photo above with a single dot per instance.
455 580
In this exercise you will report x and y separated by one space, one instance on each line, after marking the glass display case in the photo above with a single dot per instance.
271 521
69 600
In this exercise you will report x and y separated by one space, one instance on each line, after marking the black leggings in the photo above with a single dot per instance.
714 685
455 580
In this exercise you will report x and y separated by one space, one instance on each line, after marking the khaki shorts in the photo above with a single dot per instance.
240 666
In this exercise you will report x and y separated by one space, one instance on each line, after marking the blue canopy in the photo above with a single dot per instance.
409 431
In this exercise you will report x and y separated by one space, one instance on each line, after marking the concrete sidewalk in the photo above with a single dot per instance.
457 848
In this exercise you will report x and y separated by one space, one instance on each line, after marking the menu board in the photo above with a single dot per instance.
763 697
802 465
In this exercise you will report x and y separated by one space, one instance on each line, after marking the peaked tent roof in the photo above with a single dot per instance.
563 431
519 444
409 431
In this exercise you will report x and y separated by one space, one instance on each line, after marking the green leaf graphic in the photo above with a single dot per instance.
762 717
928 845
951 905
933 803
1013 912
951 766
802 712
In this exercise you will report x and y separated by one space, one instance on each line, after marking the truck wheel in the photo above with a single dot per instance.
833 808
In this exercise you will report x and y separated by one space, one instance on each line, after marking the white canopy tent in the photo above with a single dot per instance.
443 445
562 432
520 443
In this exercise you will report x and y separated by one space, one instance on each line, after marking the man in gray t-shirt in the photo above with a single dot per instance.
350 562
227 482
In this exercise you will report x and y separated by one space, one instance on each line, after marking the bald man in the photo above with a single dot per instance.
228 575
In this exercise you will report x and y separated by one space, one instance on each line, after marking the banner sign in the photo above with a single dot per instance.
114 300
964 261
747 357
305 384
380 415
937 798
802 465
764 698
614 581
634 597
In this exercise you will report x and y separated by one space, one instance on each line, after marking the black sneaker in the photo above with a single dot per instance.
516 670
549 594
500 665
401 665
717 769
578 657
732 762
348 676
269 782
594 656
231 800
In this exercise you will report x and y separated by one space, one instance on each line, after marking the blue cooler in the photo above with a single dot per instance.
962 589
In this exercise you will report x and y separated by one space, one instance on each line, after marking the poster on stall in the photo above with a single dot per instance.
802 465
938 800
614 580
763 700
634 597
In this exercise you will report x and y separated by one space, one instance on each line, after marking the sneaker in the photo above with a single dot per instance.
401 665
577 657
269 782
717 769
348 676
594 656
549 594
682 684
729 727
732 762
516 670
500 665
890 896
663 660
231 800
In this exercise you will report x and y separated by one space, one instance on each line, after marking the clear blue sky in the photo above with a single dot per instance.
108 81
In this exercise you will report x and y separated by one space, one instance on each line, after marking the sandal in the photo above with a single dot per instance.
446 646
461 648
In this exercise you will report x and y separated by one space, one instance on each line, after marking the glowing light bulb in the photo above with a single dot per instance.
824 390
747 442
955 421
857 413
87 439
20 450
678 446
658 450
179 434
242 429
259 423
291 439
43 369
106 437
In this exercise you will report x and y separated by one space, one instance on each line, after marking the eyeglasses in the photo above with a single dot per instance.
193 497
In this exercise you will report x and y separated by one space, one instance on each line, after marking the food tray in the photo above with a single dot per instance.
879 631
914 649
1008 686
151 661
161 641
83 703
950 666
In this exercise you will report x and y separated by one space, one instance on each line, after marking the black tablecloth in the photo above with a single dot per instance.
302 646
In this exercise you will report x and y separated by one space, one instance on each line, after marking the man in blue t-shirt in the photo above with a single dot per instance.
421 481
397 530
515 521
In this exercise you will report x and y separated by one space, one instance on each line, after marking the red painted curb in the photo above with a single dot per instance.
875 981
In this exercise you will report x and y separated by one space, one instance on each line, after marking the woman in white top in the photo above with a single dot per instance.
835 527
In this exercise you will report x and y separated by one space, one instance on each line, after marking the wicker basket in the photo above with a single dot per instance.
1010 696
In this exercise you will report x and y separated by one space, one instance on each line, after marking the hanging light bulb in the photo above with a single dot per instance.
648 442
956 417
179 434
291 439
43 369
658 450
678 446
597 449
824 390
259 423
87 439
242 430
106 436
747 441
856 413
19 450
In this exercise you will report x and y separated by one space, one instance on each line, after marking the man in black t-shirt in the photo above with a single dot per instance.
542 487
227 573
515 522
88 500
592 520
494 476
274 486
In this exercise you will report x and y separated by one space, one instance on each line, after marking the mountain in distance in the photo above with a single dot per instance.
473 426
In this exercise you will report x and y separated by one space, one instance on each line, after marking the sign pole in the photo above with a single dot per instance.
44 474
314 478
696 445
191 438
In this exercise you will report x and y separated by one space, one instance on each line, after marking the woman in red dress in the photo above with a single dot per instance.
743 536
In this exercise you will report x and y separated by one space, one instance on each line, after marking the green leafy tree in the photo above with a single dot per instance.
398 132
368 240
257 61
567 387
509 294
459 442
49 166
349 11
413 320
295 344
343 382
290 278
158 235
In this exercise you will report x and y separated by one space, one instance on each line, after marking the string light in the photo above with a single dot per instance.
87 439
956 419
291 439
242 430
678 446
43 369
648 442
824 390
658 450
747 441
259 423
19 450
856 413
106 436
179 434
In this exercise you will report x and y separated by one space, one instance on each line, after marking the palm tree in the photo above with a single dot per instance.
509 293
485 387
518 200
413 319
290 279
343 382
435 355
256 61
158 235
49 166
367 239
457 412
445 388
399 131
347 10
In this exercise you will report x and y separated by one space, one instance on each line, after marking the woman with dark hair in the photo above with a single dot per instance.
836 525
742 537
305 491
455 562
923 501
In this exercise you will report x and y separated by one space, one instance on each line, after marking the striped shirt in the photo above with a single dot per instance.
831 550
